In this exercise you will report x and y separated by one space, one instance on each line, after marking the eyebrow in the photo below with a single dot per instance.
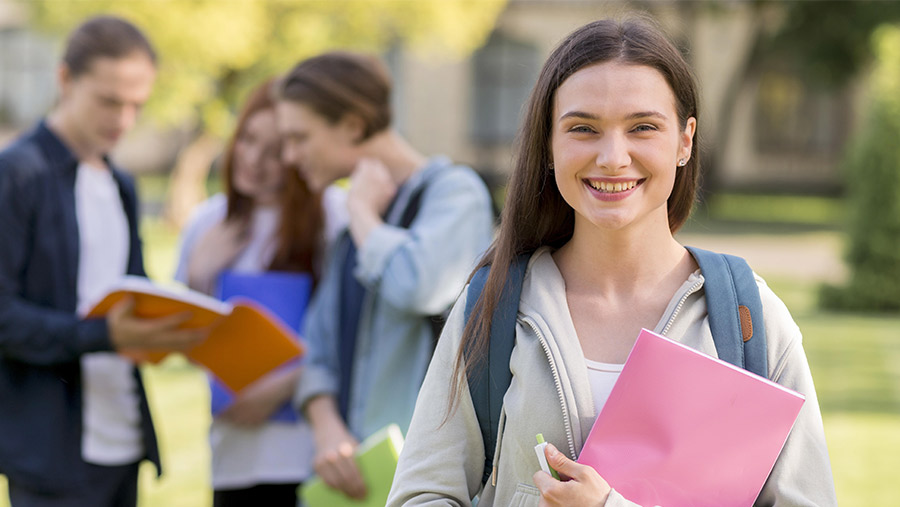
633 116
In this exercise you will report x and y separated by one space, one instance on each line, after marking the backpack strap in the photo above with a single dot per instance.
488 384
436 321
735 310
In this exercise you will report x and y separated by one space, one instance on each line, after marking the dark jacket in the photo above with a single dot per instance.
41 338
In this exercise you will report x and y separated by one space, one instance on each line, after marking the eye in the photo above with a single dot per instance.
581 129
645 127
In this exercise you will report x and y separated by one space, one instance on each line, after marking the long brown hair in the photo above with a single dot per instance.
535 213
302 218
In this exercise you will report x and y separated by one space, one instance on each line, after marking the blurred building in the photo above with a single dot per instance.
764 126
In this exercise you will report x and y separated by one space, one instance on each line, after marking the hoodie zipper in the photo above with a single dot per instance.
694 288
559 390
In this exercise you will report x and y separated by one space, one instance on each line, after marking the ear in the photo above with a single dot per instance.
687 138
63 78
352 128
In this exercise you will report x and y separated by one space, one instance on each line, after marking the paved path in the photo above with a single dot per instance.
812 256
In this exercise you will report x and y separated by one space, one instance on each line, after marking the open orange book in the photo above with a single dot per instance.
245 341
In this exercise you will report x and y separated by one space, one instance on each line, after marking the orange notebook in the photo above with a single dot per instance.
245 341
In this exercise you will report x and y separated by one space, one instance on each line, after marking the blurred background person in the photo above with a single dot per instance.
417 225
75 422
267 219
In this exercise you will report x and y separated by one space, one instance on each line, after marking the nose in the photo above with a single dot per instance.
613 153
253 155
128 115
289 154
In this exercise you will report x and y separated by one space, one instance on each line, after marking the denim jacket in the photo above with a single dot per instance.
409 274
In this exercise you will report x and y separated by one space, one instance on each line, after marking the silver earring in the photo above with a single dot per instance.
552 168
682 162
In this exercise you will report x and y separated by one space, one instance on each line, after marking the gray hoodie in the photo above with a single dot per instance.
441 464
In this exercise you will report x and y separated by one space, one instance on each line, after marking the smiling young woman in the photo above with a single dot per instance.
606 172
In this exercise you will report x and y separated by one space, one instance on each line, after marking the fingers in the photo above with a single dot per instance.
181 339
164 332
129 331
338 469
352 479
565 467
543 481
125 307
165 323
579 482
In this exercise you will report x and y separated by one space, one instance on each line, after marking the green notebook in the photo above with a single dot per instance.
377 460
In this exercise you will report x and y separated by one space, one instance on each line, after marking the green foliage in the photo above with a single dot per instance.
830 40
212 52
873 174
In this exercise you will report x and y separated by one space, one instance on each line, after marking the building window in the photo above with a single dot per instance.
794 117
503 73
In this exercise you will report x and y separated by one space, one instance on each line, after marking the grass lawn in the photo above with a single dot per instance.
855 360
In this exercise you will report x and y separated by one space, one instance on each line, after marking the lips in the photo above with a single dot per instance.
611 187
608 190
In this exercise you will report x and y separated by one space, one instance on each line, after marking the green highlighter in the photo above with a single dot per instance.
542 459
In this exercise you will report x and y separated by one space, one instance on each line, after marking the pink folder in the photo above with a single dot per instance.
681 428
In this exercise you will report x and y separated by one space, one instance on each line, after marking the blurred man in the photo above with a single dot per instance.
75 422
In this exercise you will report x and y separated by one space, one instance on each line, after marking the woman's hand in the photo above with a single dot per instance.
214 252
258 401
371 186
335 446
581 485
371 191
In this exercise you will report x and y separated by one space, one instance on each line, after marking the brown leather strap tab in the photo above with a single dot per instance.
746 322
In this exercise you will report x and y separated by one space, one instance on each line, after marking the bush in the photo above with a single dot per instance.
873 173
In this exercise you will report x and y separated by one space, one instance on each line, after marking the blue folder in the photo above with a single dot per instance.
285 295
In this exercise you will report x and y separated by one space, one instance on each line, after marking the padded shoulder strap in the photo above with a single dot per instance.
734 309
488 383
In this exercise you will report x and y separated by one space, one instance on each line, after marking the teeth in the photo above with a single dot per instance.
609 187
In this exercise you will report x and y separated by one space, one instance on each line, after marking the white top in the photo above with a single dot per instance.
275 452
111 411
603 377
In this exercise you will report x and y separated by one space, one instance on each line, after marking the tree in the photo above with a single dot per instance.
212 52
826 40
873 173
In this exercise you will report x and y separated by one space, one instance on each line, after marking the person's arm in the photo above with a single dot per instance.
37 334
371 192
30 332
209 245
257 402
318 385
216 250
423 268
335 446
443 456
802 473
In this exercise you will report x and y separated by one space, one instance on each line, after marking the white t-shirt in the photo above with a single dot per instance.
275 452
603 377
111 411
